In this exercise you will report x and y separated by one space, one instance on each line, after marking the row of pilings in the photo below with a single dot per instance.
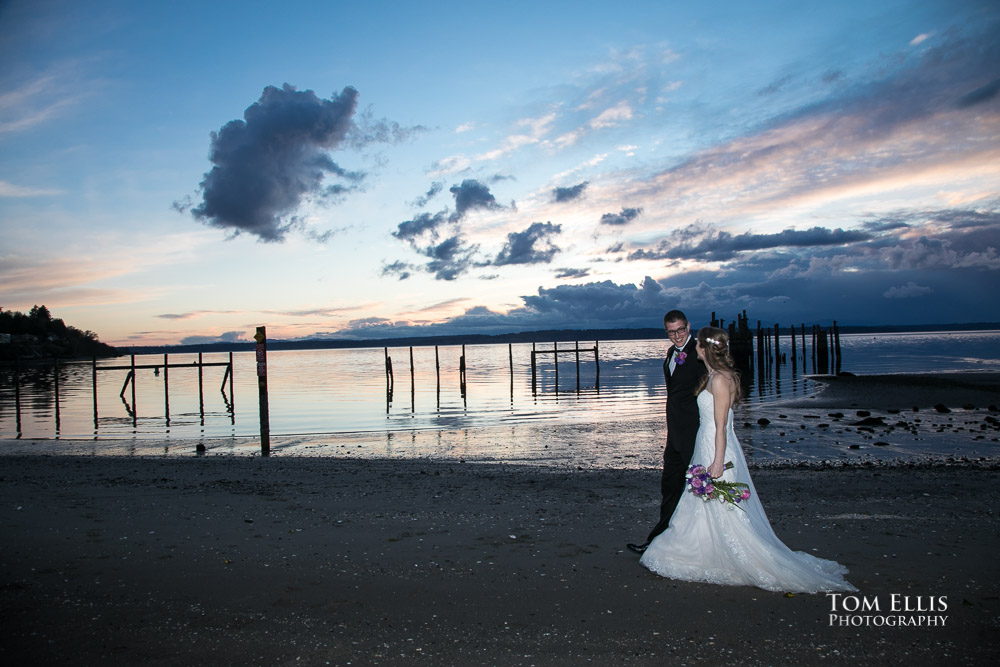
555 351
816 345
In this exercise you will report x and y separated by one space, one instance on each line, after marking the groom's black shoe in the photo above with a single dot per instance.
637 548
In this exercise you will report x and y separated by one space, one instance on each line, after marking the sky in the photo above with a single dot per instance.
183 172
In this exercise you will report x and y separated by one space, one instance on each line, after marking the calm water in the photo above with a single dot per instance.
339 391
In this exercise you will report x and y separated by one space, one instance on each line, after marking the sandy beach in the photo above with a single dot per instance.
184 559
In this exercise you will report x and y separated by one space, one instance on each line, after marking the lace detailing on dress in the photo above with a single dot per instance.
720 543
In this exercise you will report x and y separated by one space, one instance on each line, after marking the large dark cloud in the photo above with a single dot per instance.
720 246
626 216
532 246
266 165
569 194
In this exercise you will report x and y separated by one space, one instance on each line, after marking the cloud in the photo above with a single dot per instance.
451 258
268 164
980 95
929 253
43 99
626 216
567 272
907 291
448 259
422 225
560 195
695 243
612 117
367 129
472 195
432 192
865 136
401 270
532 246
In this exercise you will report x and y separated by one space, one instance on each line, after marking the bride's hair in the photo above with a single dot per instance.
715 346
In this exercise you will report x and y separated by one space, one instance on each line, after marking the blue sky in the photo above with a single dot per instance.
176 172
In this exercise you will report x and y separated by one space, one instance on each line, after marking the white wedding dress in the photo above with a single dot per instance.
719 543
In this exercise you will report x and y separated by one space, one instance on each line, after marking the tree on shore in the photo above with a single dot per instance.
38 334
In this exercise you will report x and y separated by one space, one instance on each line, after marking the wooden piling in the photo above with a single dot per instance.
534 386
166 388
836 345
576 349
777 351
265 419
93 377
135 412
760 346
802 328
814 327
201 386
55 372
232 394
555 359
793 348
17 392
822 351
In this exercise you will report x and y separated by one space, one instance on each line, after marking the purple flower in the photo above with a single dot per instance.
680 358
701 484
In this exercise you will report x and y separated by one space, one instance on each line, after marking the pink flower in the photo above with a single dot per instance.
745 495
680 358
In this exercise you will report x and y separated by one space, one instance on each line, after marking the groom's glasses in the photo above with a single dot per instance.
678 332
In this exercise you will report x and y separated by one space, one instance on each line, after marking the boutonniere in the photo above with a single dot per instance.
680 358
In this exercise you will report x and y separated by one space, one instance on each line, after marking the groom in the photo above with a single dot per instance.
683 371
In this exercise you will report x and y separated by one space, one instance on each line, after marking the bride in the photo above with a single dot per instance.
722 543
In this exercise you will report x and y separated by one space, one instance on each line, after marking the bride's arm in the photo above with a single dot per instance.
722 397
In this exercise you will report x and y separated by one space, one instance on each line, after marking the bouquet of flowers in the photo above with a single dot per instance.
701 484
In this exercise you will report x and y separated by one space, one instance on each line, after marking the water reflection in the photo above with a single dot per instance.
330 391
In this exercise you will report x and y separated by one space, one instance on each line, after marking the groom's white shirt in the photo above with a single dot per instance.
673 357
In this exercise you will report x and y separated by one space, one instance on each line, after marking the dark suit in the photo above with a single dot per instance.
682 427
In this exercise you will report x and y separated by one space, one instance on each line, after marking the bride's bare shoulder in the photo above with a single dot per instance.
721 381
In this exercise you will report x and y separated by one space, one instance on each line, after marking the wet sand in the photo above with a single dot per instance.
306 560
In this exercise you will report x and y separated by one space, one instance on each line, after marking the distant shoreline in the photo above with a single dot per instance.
542 336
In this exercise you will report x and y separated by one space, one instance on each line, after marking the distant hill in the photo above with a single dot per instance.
546 336
38 335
